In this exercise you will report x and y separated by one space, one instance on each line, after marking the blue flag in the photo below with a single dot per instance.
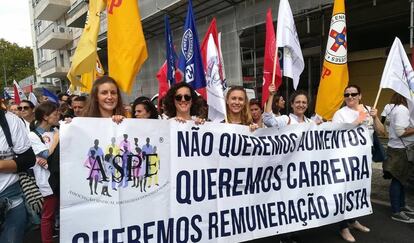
6 95
50 96
171 56
190 62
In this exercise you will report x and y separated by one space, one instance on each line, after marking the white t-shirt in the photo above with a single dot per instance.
386 113
348 115
399 117
21 144
270 120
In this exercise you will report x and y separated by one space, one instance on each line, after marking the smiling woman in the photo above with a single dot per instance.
237 106
179 102
299 102
105 99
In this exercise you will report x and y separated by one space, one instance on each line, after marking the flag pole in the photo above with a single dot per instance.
275 61
376 99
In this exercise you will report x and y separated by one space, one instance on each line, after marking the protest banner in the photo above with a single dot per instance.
164 181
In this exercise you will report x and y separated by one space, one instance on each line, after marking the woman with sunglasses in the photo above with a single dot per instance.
237 107
299 101
105 100
26 109
356 113
180 103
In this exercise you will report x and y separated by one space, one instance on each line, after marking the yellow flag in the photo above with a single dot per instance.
127 50
84 59
88 78
334 77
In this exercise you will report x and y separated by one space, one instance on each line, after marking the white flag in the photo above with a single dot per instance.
215 95
33 99
223 72
18 93
287 37
399 75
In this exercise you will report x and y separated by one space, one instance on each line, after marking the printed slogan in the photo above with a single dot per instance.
163 181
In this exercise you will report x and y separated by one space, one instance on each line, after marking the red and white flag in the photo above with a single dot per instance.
18 93
163 84
269 59
214 75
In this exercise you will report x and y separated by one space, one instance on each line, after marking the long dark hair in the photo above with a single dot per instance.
398 99
92 106
148 106
275 104
170 109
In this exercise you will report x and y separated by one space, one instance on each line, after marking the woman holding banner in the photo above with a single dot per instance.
397 167
105 100
356 113
180 104
237 107
299 102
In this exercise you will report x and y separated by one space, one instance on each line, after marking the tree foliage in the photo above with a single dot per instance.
17 62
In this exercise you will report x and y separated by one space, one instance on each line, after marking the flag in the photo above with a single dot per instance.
18 93
6 95
84 59
398 74
212 64
223 72
269 59
287 37
50 96
171 55
33 99
89 78
190 62
127 50
334 77
163 84
168 75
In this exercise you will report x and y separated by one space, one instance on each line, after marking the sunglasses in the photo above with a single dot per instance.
180 97
26 108
350 94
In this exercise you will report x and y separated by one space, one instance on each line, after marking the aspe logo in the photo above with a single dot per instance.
122 164
337 49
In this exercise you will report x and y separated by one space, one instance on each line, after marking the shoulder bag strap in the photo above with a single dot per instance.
6 129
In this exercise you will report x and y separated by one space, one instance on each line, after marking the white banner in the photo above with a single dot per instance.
163 181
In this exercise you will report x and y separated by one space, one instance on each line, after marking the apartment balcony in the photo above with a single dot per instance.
50 10
53 69
76 16
54 37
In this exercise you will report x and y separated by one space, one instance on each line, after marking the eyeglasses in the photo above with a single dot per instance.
180 97
350 94
26 108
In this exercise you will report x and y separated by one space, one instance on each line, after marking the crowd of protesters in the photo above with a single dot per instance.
35 137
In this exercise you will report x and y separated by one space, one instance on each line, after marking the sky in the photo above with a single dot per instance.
15 22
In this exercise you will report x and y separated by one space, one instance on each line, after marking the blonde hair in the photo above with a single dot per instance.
245 116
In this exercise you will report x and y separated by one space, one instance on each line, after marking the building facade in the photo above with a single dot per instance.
372 26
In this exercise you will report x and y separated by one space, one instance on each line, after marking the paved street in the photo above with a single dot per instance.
383 228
